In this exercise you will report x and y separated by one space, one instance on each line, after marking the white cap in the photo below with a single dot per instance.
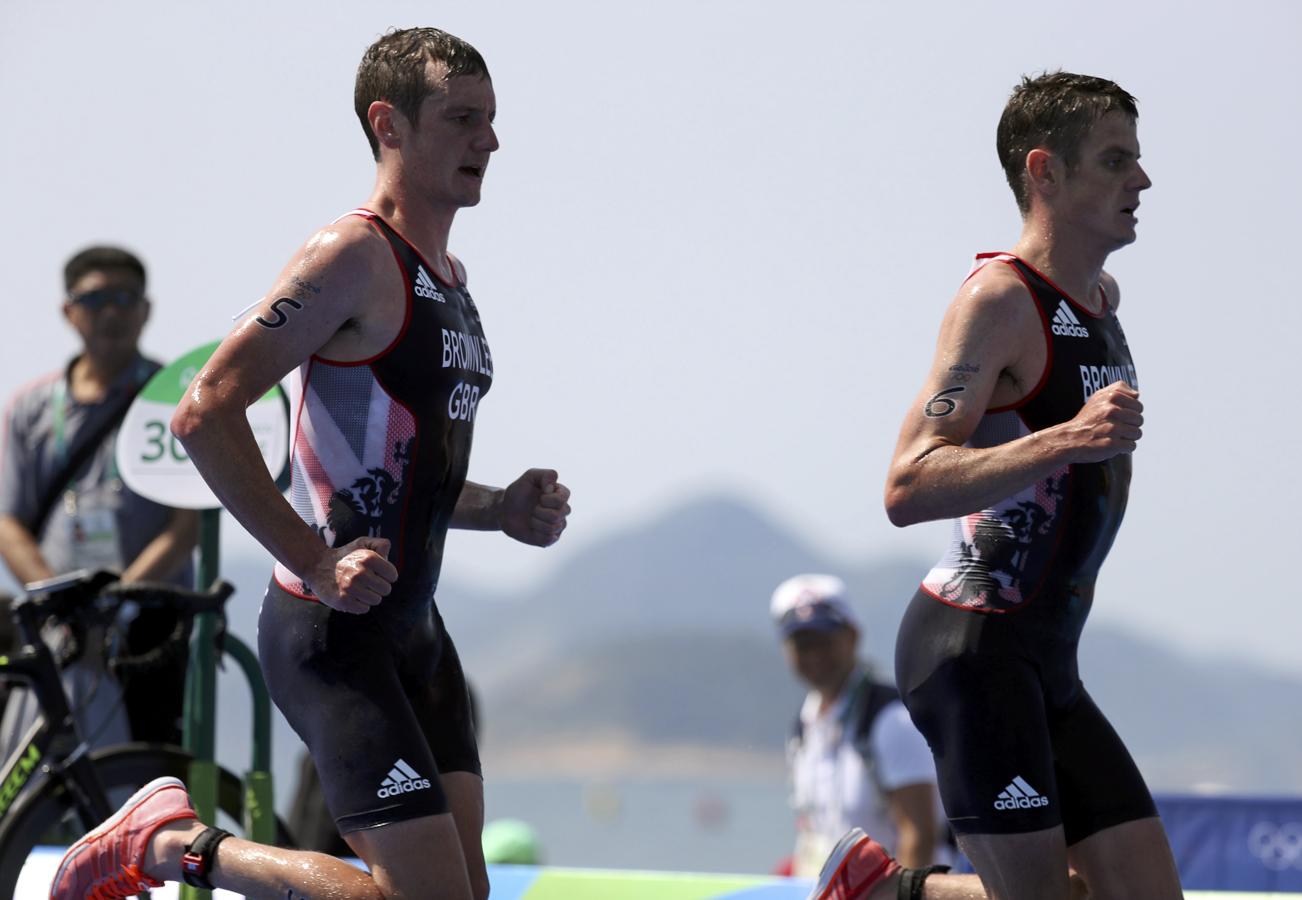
811 601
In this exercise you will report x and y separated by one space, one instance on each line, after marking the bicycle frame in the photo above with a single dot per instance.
52 746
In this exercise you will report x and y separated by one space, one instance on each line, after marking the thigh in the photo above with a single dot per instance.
335 679
1099 783
441 700
417 859
1132 859
984 718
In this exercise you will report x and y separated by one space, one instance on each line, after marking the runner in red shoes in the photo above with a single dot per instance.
388 362
1023 432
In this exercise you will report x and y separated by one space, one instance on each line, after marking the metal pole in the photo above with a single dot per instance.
201 690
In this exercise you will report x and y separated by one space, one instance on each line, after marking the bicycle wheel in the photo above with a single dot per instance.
48 815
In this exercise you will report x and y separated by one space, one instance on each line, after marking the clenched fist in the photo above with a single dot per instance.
1108 425
355 577
535 508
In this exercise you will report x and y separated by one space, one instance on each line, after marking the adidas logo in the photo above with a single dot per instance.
402 780
425 286
1020 795
1065 322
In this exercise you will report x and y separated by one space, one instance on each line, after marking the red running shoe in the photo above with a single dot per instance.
107 864
856 865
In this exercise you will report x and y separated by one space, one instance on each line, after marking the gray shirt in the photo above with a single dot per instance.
97 521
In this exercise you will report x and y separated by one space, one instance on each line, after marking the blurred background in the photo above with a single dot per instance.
711 259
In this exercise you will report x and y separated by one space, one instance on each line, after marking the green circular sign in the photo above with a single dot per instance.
152 461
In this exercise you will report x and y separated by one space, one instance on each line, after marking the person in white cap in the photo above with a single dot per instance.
856 759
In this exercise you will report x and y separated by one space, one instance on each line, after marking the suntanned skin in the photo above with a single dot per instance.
992 345
350 306
991 335
110 337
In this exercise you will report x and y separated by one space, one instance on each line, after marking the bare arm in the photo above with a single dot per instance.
533 509
986 356
21 552
479 508
912 809
312 308
168 551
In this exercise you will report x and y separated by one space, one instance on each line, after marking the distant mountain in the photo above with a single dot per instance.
709 566
662 634
1213 723
657 638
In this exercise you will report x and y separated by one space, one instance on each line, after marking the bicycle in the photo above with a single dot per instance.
74 788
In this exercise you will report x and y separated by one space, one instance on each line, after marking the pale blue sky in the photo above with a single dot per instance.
715 245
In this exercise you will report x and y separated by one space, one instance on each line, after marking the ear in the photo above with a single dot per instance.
1042 172
67 312
386 123
145 309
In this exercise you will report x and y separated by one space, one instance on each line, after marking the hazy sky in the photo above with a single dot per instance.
716 243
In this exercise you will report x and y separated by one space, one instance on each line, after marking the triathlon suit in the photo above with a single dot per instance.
381 448
986 653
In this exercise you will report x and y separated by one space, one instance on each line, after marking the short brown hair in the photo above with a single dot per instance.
94 259
1054 111
393 69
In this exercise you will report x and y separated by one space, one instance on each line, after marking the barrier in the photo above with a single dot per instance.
1236 843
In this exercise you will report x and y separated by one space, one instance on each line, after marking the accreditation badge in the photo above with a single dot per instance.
90 526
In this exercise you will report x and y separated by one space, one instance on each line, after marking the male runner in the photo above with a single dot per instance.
1024 431
390 363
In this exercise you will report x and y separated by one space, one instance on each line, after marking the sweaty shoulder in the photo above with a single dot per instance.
994 324
341 296
348 250
997 290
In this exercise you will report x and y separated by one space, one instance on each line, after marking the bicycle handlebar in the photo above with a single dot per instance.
88 598
85 592
167 596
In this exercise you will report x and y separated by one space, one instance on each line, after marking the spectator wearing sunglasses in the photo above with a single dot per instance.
64 507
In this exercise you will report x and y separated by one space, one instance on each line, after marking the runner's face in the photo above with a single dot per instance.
1100 196
822 658
108 328
451 145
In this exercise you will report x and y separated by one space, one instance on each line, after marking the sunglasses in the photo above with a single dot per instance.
97 300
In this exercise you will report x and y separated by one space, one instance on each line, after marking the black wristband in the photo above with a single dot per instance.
911 881
198 858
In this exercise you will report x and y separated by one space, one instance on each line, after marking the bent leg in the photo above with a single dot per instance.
1029 866
256 870
412 860
1133 859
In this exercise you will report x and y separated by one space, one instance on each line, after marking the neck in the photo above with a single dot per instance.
828 696
427 227
1070 263
92 373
